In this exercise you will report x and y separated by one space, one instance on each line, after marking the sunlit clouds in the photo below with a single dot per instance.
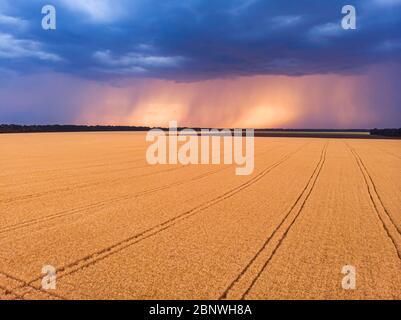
320 101
227 63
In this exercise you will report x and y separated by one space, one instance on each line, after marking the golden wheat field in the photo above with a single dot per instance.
115 227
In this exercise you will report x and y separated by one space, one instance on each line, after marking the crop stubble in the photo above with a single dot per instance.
115 227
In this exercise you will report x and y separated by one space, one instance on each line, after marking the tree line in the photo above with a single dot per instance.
14 128
386 132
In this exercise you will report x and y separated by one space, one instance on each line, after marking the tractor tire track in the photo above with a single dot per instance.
100 204
73 169
87 185
392 230
104 253
8 293
305 193
92 184
104 203
28 285
42 182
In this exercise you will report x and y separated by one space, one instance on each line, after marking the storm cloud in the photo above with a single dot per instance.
194 39
107 57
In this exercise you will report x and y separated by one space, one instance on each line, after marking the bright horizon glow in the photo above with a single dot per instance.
266 64
318 101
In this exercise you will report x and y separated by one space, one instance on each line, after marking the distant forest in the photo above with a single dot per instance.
14 128
386 132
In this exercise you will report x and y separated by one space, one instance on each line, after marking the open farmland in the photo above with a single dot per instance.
116 227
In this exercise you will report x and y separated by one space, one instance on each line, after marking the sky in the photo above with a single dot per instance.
220 63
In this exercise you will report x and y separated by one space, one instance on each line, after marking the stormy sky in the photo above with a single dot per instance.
244 63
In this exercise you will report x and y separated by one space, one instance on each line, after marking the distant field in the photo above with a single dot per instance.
118 228
364 133
318 134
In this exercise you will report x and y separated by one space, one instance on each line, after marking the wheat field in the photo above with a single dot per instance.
115 227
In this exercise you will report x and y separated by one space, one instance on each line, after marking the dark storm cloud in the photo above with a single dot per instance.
197 39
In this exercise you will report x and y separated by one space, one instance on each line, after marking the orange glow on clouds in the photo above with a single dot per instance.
261 101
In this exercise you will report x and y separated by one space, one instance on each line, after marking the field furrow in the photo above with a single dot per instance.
114 226
342 225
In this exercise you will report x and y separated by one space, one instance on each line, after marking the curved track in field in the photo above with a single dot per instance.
280 230
392 230
104 253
